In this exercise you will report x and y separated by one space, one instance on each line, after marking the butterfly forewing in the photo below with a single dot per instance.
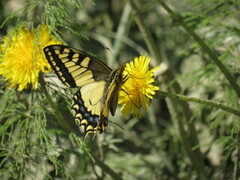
75 68
98 84
113 89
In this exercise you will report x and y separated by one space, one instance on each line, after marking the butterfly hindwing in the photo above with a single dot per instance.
98 84
91 110
87 110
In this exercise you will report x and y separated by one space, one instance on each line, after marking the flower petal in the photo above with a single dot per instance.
138 88
22 56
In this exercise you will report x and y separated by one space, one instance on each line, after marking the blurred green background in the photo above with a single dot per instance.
173 139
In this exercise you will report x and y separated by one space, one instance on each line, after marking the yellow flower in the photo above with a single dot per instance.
22 57
137 88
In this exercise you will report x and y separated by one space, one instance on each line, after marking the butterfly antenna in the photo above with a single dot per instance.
130 98
125 78
132 76
107 48
122 128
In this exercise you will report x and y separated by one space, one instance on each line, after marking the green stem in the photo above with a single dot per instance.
122 31
204 46
152 47
179 110
59 115
236 171
107 169
201 101
95 160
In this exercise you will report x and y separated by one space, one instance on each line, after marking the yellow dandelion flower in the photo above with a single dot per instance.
22 57
138 87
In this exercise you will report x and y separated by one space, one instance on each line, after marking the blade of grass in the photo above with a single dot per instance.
122 30
180 111
202 101
205 47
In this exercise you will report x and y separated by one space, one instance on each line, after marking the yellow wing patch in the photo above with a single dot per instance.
87 106
98 85
70 65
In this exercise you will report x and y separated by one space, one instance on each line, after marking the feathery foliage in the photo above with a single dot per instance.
191 130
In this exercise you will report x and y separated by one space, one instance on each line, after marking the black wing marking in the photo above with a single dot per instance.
73 67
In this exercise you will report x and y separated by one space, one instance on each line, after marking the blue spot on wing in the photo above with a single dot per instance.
92 119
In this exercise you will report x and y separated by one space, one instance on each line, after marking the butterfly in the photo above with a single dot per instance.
98 85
